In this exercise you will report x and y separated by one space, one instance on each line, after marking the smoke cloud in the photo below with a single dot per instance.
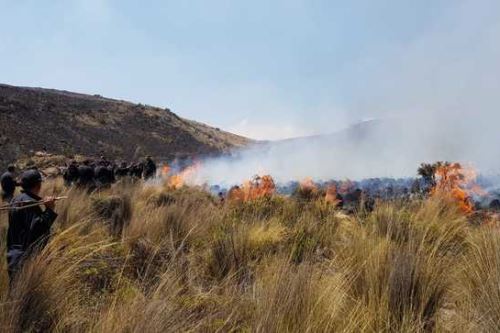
435 98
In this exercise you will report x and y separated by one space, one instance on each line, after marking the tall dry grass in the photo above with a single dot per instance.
136 258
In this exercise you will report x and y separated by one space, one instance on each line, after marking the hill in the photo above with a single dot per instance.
72 123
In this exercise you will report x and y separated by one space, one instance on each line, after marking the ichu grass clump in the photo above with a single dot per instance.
115 210
152 259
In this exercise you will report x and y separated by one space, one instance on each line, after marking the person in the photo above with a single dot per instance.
86 176
103 161
136 170
8 183
71 174
104 176
149 168
122 171
29 228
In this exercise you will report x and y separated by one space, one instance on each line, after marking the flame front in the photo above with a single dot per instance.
258 187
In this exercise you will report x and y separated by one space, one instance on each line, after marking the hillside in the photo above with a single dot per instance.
70 123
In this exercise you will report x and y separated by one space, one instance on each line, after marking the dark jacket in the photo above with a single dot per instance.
121 172
8 183
71 174
86 175
136 170
29 228
149 169
104 175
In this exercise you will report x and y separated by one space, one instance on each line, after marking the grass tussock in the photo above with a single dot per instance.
136 258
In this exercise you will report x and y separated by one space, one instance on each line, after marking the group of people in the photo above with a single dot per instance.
30 224
102 173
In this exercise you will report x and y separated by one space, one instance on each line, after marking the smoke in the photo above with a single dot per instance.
434 98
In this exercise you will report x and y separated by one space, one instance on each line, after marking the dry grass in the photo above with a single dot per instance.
149 259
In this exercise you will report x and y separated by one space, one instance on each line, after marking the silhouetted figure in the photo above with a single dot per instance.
86 176
8 183
149 168
136 170
122 171
70 175
29 228
104 176
103 161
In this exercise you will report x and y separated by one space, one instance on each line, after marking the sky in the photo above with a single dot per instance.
264 69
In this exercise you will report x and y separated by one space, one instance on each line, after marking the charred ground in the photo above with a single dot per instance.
70 123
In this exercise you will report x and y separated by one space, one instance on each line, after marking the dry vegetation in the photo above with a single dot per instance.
146 259
90 125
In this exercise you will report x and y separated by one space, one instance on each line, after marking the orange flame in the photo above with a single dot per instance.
331 195
236 194
308 185
459 183
176 181
258 187
181 179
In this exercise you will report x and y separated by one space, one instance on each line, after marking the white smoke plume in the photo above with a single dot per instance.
436 98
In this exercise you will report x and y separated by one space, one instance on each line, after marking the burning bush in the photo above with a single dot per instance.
307 190
453 179
258 187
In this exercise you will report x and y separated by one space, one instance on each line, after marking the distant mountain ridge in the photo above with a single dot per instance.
356 131
72 123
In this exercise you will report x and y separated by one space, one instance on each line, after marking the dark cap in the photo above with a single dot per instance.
30 179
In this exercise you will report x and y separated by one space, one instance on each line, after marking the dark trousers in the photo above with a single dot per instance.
15 258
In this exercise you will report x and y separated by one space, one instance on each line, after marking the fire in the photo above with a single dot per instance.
332 196
165 171
182 178
308 186
459 182
258 187
176 181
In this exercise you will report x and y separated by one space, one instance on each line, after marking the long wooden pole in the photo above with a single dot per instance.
27 204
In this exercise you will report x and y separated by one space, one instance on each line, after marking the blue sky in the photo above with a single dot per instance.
265 69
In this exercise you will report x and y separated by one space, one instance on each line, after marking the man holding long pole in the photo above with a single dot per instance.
29 225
